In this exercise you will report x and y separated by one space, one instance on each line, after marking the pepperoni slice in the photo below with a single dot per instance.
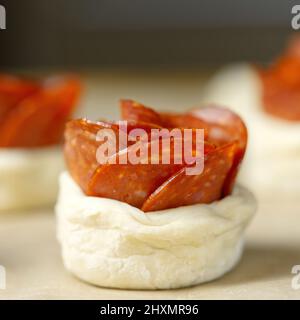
67 91
39 119
156 186
129 183
182 190
220 124
134 183
280 99
224 127
173 120
12 91
281 84
132 110
81 145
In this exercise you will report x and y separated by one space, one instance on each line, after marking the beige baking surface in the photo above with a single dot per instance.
31 256
30 253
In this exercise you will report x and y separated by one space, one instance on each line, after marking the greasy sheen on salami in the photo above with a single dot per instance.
157 186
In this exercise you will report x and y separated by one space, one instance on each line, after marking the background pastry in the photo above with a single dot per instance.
269 101
32 118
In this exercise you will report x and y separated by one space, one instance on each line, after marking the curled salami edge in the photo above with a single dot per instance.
182 190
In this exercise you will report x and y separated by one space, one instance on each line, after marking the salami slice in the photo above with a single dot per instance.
81 147
39 119
182 190
174 120
67 91
281 84
12 91
129 183
225 127
159 185
132 110
221 125
133 183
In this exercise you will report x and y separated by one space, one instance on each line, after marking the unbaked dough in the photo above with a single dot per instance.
29 177
112 244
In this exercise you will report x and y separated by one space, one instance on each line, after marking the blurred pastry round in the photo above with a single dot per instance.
32 118
268 100
28 178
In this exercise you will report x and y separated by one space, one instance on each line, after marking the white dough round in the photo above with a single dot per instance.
29 177
272 162
112 244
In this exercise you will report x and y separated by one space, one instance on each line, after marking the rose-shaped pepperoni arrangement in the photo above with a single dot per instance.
281 84
33 113
152 187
